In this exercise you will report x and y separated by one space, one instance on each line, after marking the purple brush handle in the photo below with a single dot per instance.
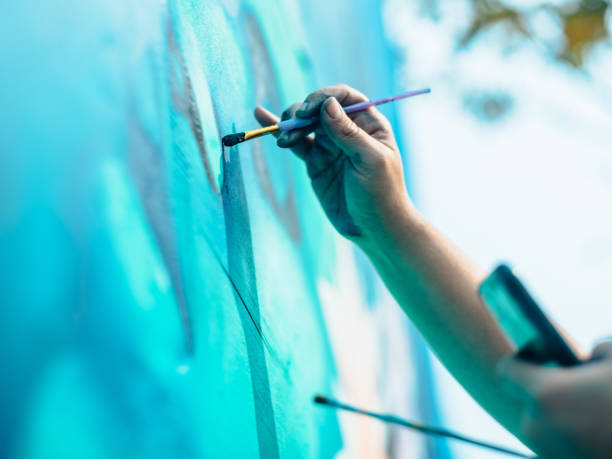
295 123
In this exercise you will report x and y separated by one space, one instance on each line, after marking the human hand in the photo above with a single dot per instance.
566 412
353 161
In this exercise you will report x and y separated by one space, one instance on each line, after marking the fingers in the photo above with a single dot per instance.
376 125
323 153
341 92
266 118
360 135
293 137
347 135
371 120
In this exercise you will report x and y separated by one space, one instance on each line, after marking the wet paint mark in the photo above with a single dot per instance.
224 154
241 269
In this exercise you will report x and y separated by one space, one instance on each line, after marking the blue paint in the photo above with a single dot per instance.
163 297
242 274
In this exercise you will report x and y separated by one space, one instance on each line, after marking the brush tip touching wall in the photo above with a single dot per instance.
233 139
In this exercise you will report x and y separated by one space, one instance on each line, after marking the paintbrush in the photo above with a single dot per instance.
294 123
430 430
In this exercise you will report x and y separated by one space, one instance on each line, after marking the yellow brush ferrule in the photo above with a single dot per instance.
261 131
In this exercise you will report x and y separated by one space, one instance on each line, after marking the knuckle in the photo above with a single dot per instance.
377 161
385 124
339 91
343 91
313 101
317 95
349 129
379 120
293 109
380 161
286 114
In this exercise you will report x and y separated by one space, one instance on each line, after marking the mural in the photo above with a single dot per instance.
166 297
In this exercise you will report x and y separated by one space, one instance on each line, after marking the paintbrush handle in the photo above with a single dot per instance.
295 123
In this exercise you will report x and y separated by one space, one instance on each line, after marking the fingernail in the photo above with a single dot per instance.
333 109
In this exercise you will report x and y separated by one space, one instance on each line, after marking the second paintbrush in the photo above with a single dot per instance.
295 123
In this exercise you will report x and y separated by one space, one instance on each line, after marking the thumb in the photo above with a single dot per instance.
343 131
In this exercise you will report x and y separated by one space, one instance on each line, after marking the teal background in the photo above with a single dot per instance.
163 297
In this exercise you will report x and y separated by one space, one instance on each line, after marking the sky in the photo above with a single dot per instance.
532 187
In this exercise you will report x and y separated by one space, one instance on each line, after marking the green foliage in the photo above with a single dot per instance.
582 25
487 13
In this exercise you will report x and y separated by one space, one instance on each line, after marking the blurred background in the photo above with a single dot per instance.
511 156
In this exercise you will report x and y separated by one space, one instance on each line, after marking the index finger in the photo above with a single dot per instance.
266 118
342 92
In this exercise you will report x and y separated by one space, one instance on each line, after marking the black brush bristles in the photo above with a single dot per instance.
233 139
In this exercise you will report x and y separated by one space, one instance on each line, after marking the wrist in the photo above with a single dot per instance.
401 226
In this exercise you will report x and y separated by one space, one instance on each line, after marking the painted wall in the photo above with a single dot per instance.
163 297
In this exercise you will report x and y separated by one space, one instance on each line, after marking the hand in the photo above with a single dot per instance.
566 412
353 161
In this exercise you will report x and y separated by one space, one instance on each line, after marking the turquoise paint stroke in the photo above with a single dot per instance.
162 296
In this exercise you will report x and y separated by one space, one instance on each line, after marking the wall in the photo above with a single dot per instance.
168 298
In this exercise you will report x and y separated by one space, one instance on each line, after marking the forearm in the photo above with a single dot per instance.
437 286
356 172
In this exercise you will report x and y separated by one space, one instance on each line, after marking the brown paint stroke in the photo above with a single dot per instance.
266 90
184 101
147 167
145 162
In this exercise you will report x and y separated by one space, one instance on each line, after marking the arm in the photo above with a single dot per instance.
356 172
437 286
566 412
